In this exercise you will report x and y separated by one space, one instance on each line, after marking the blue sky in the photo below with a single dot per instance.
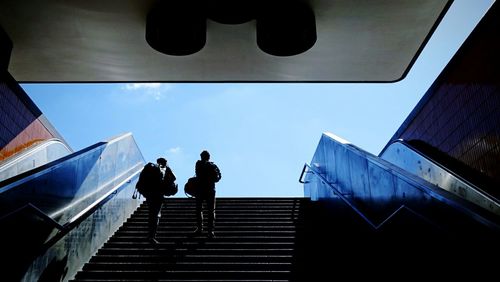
260 134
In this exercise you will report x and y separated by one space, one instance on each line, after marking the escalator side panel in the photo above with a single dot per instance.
62 212
378 188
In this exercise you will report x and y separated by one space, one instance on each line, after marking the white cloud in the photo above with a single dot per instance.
148 90
136 86
175 150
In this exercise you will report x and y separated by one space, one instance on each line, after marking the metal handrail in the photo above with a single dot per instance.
8 184
13 159
111 193
302 174
81 215
444 168
359 212
12 182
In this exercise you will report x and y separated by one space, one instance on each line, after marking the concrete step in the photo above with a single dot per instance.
161 257
154 275
255 241
225 244
186 266
183 238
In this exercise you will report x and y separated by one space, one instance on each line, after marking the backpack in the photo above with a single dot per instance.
169 188
168 185
191 187
149 178
214 173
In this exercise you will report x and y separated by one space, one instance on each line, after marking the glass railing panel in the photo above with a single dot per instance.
65 188
406 157
375 188
315 188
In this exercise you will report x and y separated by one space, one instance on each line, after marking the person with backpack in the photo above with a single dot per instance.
207 174
151 185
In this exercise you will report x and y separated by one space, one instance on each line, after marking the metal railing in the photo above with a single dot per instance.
75 220
404 155
308 169
51 209
67 190
376 188
35 156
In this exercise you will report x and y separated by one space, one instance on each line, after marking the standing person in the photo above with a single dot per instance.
207 174
150 186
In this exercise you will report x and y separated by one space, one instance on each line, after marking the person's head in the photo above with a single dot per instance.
162 162
205 155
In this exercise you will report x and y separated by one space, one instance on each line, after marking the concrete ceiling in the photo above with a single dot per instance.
104 41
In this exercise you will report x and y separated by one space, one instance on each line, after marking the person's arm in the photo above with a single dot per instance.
197 169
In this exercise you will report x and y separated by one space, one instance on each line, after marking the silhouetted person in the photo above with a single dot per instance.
207 174
154 197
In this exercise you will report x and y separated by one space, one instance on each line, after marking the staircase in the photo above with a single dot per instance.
256 240
281 239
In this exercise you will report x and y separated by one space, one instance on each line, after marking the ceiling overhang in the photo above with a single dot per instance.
104 41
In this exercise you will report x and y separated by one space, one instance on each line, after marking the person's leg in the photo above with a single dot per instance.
151 217
211 213
154 218
199 215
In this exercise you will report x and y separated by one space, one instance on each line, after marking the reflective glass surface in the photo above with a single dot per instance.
65 188
409 159
374 187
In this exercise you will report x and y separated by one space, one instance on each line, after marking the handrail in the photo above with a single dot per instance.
359 212
79 207
302 174
425 156
7 184
66 226
75 220
69 195
113 191
493 201
36 155
12 182
9 161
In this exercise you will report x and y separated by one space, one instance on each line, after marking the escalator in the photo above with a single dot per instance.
414 226
55 216
408 157
37 155
377 189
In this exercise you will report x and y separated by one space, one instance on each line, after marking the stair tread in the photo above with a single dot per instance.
255 241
